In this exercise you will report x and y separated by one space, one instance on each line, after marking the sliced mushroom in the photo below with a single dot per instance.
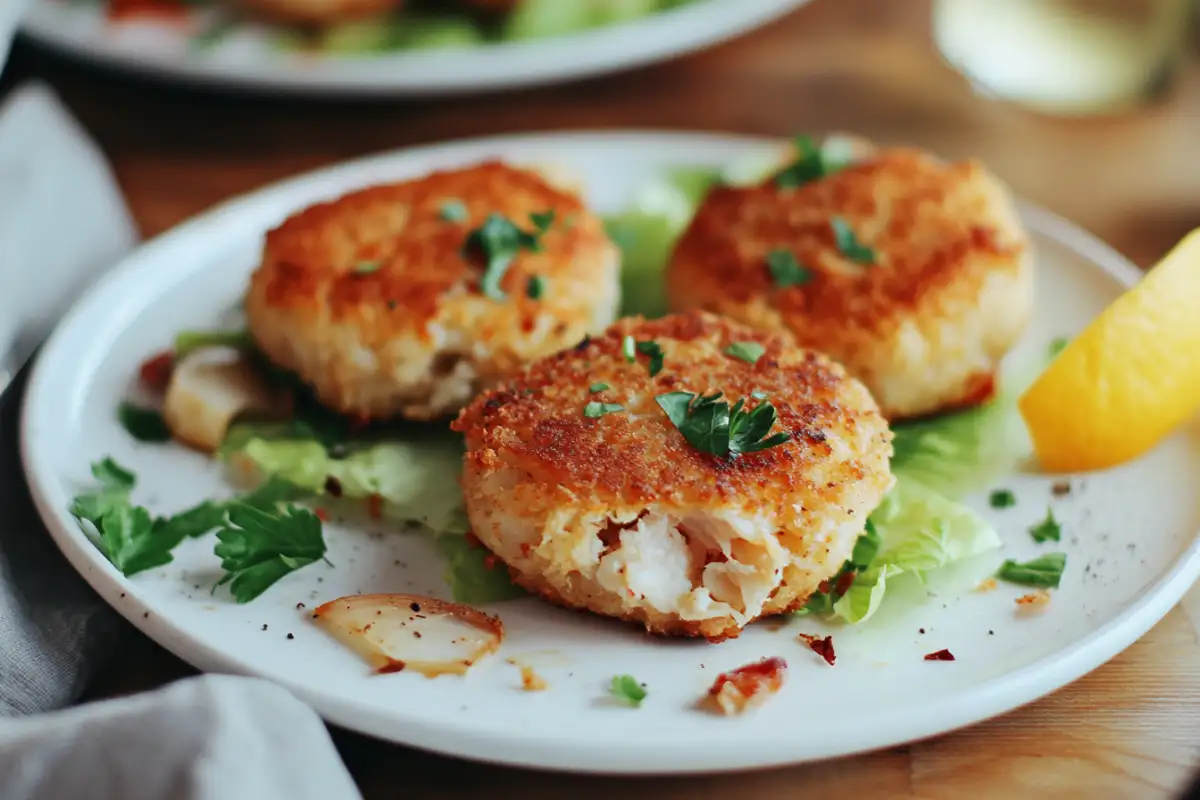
395 632
208 390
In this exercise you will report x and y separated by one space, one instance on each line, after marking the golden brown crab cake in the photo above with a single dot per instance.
383 300
609 507
914 273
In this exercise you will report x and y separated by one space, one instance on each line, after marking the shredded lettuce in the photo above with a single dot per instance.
647 231
915 531
471 576
964 451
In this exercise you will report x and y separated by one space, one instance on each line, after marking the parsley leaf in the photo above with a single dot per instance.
1048 530
1043 572
453 211
258 547
1002 498
116 483
629 349
499 241
128 537
809 166
597 387
143 424
750 352
1058 345
711 426
535 287
654 350
786 270
187 342
594 410
849 244
367 267
626 689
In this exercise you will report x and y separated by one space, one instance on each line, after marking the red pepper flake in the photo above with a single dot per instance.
155 373
375 506
844 582
940 655
473 540
489 561
322 514
822 646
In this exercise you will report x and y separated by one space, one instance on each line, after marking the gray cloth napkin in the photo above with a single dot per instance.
62 221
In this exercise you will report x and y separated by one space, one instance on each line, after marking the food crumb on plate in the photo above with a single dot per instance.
940 655
741 689
1034 601
821 645
986 585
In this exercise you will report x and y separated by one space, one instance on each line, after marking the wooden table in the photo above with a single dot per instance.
1131 728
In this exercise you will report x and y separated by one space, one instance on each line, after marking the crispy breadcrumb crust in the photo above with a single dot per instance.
540 478
370 300
926 325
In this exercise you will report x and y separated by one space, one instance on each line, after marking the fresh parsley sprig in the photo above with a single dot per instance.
848 243
1043 572
143 424
626 689
785 270
1048 530
258 547
498 241
810 165
710 425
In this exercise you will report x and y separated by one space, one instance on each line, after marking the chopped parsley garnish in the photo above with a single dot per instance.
1048 530
654 350
257 547
188 341
143 424
134 541
597 387
1002 498
786 270
535 287
453 211
809 166
710 425
1044 572
499 241
750 352
594 410
367 267
849 244
626 689
542 220
1058 345
629 349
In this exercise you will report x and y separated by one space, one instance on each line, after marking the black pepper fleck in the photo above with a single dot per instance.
299 605
291 636
920 630
415 606
264 626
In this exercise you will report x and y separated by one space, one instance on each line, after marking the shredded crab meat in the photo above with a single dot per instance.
701 566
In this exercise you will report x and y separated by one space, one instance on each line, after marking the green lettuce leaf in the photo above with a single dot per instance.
417 481
964 451
918 531
647 231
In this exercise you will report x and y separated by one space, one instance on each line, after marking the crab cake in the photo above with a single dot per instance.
576 477
408 299
914 273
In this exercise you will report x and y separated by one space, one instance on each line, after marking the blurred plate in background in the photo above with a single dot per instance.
189 40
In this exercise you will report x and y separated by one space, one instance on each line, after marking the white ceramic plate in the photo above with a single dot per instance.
247 58
1129 535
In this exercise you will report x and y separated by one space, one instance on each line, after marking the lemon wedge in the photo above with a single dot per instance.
1129 379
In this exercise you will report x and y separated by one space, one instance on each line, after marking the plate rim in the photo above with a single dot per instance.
988 699
574 56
